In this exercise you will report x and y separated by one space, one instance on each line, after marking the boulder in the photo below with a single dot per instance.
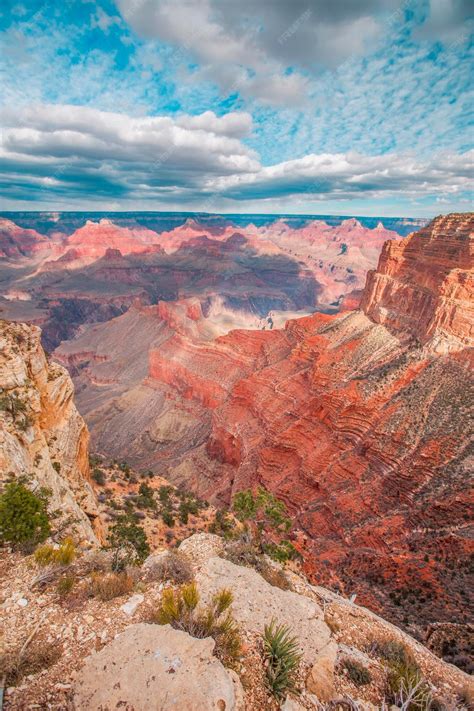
320 680
291 704
152 667
130 607
256 603
201 547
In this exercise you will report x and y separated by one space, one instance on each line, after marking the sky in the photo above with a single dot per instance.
351 107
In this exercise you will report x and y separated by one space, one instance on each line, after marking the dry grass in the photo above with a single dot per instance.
110 585
274 576
19 662
174 566
63 555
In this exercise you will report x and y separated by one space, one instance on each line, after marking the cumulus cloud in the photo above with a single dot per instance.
56 150
350 175
185 148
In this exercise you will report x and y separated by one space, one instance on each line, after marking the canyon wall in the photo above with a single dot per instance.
424 285
42 435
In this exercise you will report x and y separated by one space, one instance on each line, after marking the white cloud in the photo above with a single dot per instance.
350 175
204 144
76 151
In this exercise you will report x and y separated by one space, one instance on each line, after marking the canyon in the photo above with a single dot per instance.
224 359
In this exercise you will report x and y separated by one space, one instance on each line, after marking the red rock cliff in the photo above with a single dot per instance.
424 284
364 431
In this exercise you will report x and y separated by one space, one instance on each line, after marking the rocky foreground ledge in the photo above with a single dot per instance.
112 654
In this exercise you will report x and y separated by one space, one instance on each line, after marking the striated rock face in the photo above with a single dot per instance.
46 439
424 284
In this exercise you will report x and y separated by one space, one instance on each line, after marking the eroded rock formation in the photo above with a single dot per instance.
424 285
42 435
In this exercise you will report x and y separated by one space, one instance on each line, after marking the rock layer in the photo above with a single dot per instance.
425 283
46 439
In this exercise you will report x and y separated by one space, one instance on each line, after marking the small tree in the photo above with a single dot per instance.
23 516
266 521
129 540
146 498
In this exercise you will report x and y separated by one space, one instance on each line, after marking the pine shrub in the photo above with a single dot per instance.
23 516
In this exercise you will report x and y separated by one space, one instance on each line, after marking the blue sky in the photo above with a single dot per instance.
303 106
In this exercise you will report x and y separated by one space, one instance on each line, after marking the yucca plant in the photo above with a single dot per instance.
282 655
408 688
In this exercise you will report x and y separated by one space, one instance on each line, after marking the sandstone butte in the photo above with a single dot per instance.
360 422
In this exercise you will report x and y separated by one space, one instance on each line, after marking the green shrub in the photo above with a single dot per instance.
63 555
282 551
168 518
282 656
146 497
98 476
222 524
390 650
23 516
164 494
65 585
405 683
129 541
407 688
57 467
179 608
266 521
357 673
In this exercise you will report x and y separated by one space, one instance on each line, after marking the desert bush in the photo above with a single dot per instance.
23 516
146 497
98 476
65 585
179 608
357 673
107 586
222 524
13 404
174 566
23 660
390 650
164 494
242 552
63 555
282 657
129 542
265 523
282 551
168 518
